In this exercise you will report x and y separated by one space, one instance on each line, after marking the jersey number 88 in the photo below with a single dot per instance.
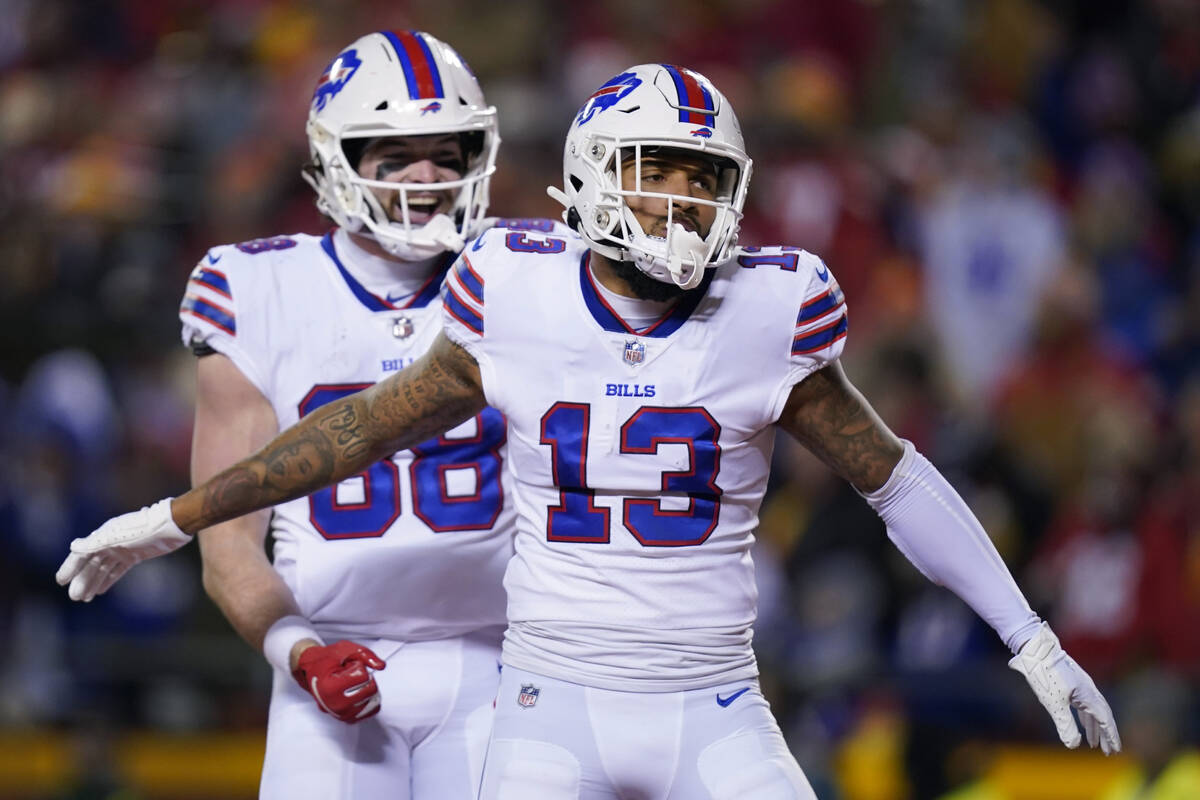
432 502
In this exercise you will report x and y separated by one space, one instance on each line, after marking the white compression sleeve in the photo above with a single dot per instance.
935 530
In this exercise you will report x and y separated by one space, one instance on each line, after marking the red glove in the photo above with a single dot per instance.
336 675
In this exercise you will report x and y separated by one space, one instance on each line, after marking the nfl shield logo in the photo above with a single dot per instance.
635 353
528 696
402 327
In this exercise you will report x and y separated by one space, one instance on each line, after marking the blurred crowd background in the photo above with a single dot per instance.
1008 191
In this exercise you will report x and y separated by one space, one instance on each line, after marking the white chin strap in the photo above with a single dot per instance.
439 235
686 255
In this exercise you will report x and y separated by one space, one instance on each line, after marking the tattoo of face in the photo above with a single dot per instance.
281 471
235 486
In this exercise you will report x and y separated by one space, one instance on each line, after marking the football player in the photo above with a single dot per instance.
643 367
402 562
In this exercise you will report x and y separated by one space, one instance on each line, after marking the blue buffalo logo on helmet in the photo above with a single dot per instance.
336 76
703 133
608 96
432 108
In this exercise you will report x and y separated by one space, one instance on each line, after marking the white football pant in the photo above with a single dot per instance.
426 743
554 740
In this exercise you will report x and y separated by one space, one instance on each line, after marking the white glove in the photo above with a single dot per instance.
99 560
1059 684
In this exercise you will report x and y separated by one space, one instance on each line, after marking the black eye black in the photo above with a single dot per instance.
386 168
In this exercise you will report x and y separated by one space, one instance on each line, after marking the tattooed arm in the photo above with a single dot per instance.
832 419
440 390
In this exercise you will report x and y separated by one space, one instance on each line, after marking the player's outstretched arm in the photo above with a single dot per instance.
440 390
929 522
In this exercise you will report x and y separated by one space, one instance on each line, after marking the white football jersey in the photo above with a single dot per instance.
639 462
414 548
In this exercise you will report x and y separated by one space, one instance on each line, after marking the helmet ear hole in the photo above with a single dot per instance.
576 182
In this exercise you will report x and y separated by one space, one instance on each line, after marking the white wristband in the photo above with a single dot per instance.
282 637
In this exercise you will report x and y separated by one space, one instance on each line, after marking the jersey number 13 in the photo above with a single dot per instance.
577 518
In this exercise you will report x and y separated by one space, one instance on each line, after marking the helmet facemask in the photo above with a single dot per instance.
676 254
347 197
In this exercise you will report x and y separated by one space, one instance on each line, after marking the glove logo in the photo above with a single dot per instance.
338 676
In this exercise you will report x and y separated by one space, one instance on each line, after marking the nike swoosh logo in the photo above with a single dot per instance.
823 274
724 702
212 260
478 243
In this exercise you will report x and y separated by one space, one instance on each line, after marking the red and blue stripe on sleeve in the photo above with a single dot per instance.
821 322
206 288
462 295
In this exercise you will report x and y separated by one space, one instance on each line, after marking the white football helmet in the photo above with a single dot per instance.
653 106
399 83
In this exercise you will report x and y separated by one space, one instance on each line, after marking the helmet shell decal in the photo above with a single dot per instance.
608 96
696 105
336 76
421 73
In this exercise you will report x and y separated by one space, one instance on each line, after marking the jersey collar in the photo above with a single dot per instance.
419 299
608 319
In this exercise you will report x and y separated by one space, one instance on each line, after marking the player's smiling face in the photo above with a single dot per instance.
414 159
677 172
